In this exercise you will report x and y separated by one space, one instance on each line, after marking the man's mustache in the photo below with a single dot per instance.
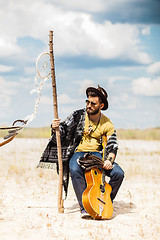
89 108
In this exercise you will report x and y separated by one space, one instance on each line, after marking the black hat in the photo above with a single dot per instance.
101 93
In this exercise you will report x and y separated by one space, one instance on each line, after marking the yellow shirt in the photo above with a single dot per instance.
92 142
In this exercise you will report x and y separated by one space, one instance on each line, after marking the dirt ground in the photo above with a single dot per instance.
28 196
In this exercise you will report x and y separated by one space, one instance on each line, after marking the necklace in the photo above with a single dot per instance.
90 129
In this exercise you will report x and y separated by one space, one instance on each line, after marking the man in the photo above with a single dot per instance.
82 133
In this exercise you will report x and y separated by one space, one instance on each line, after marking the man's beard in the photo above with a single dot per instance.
92 112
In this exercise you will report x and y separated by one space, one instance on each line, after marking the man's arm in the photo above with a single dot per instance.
111 151
64 126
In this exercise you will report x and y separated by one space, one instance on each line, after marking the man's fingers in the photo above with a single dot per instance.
56 122
107 165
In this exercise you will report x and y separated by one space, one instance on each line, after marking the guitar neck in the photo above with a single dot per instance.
104 157
104 144
103 177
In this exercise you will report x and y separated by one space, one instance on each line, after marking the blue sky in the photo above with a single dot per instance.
111 43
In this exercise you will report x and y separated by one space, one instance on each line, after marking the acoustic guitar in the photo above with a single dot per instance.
96 197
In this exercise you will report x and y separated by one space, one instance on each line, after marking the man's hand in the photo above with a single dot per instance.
109 161
107 165
55 123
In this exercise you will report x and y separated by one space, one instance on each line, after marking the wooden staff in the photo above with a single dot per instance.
55 106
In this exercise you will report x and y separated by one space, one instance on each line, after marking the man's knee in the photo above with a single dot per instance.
121 174
118 173
75 169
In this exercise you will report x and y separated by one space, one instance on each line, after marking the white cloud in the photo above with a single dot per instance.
7 91
146 86
154 68
113 79
8 45
96 6
106 41
46 100
133 68
27 83
7 87
65 111
65 99
5 100
30 70
84 85
83 5
145 30
25 79
124 101
4 68
75 33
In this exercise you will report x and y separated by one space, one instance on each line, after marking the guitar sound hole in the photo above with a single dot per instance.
102 188
95 172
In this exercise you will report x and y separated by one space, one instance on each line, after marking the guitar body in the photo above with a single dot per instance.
96 197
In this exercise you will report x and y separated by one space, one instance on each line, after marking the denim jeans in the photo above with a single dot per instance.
78 176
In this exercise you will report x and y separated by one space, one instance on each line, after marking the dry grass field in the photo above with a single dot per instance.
28 196
45 132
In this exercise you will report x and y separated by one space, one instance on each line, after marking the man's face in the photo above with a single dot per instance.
93 105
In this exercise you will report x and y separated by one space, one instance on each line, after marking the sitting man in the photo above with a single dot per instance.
82 133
